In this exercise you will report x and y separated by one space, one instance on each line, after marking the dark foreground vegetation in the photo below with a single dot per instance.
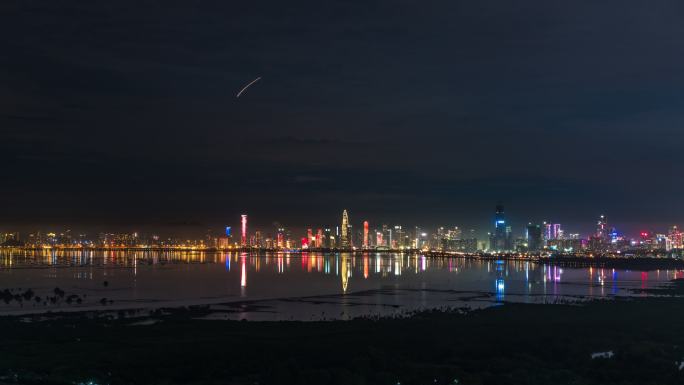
509 344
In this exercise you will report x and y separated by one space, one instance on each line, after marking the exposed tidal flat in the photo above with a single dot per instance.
627 340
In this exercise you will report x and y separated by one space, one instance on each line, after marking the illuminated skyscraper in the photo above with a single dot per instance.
416 237
319 238
345 242
675 238
557 231
243 239
500 240
552 231
399 239
602 228
258 241
223 243
454 233
365 234
280 238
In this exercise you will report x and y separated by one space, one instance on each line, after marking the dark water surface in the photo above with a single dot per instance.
277 286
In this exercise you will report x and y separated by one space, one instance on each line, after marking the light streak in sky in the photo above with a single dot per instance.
247 86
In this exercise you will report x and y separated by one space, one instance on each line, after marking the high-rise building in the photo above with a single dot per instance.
600 241
602 228
567 245
416 238
319 238
534 237
10 239
552 231
399 239
675 238
243 239
280 238
422 240
454 233
269 242
558 231
365 234
258 239
345 241
501 239
223 243
330 239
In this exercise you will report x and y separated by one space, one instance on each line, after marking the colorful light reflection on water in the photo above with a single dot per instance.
360 284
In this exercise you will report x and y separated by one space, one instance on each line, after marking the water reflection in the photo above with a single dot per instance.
243 274
500 286
346 272
136 276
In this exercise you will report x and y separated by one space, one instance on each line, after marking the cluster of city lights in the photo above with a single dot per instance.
537 238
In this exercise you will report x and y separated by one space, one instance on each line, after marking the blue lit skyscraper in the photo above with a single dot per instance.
500 240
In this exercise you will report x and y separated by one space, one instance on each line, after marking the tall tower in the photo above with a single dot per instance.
365 234
500 217
329 239
500 239
243 239
280 238
534 237
319 238
602 227
344 237
557 231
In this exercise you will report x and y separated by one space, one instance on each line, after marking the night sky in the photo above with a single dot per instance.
122 114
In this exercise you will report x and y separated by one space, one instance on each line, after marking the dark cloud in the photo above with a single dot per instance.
313 142
404 111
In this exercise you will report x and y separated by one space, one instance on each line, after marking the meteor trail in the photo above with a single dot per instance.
247 86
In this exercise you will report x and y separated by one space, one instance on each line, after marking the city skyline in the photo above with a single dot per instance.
536 238
190 224
341 192
196 229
